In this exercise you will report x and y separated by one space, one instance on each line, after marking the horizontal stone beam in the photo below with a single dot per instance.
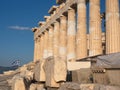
55 17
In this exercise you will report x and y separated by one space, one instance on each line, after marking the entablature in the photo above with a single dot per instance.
51 20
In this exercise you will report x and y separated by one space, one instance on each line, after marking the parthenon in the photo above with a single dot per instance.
71 38
64 33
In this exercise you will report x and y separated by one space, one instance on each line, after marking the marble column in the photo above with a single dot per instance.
71 33
45 52
35 30
56 39
112 26
81 39
41 46
63 38
95 29
38 49
50 41
35 51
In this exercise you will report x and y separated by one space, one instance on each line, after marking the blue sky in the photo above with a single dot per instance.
17 17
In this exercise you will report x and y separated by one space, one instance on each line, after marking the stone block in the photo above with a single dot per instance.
36 86
89 87
39 73
49 88
60 70
77 65
114 76
100 78
98 87
82 76
23 68
8 72
9 81
70 86
40 87
31 65
76 86
33 87
109 88
27 74
107 76
49 69
19 84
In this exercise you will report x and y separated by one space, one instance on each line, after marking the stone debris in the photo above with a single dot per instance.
27 74
76 86
8 72
70 86
23 79
37 87
49 68
39 73
81 76
98 87
60 70
33 87
19 84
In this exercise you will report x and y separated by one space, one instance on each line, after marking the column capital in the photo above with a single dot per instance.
55 22
40 23
46 18
50 27
34 29
52 9
70 8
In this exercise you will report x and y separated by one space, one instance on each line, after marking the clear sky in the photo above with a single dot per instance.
17 17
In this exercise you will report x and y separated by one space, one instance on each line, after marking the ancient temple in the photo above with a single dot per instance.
64 33
65 42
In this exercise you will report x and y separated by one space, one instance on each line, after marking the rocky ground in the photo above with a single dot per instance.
23 78
8 78
4 83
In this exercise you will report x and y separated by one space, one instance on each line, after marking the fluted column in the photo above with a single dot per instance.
45 51
35 50
112 26
71 32
56 39
63 38
41 46
50 41
38 49
95 29
81 40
